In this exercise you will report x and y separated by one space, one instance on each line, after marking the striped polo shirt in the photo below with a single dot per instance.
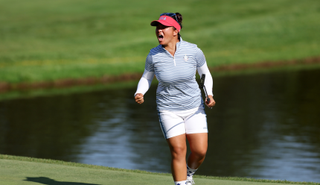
177 88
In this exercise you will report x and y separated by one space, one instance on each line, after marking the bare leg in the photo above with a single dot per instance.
198 146
178 148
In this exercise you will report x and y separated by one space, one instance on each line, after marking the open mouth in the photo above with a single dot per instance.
160 37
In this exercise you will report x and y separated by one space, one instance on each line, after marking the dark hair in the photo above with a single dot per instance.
179 20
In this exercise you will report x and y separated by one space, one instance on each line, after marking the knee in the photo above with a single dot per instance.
178 151
200 153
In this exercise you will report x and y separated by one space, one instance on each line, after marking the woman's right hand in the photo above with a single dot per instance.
139 98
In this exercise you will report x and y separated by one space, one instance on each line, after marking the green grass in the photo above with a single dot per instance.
49 40
16 170
40 92
31 93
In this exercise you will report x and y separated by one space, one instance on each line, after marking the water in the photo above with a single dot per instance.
264 126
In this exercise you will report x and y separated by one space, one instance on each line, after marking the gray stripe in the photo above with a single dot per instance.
177 88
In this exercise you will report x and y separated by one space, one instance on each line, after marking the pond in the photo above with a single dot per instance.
264 126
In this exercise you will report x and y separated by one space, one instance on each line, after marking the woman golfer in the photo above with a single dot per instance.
180 106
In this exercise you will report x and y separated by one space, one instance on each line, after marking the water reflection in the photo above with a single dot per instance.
128 135
267 126
46 127
263 126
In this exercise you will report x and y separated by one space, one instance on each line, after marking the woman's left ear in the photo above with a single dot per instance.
175 32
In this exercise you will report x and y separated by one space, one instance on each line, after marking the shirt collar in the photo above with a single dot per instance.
178 44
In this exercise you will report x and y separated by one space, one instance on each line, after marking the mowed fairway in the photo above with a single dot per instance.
29 171
63 39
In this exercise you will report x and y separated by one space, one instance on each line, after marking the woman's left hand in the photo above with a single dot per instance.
210 103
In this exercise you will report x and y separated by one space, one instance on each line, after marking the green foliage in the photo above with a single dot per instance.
49 40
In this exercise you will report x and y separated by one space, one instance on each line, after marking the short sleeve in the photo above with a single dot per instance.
200 58
149 64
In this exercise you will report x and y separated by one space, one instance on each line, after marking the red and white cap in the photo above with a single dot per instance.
166 21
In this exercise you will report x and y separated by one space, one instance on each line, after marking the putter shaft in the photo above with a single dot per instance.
204 88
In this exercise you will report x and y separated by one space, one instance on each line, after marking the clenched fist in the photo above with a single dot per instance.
139 98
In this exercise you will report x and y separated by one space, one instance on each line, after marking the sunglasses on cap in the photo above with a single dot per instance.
170 15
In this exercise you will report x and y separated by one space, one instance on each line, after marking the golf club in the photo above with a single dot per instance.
203 77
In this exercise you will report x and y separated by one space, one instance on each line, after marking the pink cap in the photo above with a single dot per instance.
167 21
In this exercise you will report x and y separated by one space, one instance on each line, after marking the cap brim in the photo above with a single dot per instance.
156 22
166 21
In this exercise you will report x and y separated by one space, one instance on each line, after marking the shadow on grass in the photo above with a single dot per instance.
48 181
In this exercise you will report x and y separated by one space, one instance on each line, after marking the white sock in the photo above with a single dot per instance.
180 182
190 172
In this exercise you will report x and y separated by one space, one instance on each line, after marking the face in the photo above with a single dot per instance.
165 34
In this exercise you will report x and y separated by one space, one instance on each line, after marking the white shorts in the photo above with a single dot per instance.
183 122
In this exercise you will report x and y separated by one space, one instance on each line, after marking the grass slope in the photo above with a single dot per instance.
49 40
27 171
